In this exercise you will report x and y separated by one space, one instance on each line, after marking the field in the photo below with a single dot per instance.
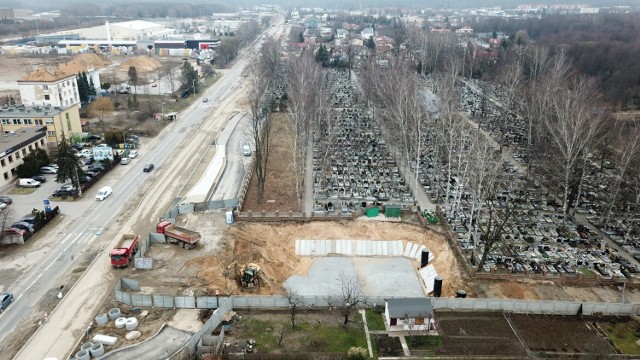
318 332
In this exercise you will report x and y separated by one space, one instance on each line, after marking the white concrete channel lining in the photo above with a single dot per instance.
384 248
207 181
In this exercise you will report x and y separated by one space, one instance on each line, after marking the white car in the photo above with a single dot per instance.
86 153
133 153
125 161
104 193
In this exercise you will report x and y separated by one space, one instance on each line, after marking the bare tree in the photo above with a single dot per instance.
501 197
572 127
294 300
351 294
302 85
629 151
399 36
100 108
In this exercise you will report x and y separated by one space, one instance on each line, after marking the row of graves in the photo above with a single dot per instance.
352 166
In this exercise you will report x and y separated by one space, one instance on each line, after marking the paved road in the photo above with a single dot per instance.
236 164
172 152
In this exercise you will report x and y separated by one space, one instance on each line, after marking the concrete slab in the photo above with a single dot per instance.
391 276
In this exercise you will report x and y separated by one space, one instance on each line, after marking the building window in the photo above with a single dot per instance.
46 87
16 122
51 133
2 163
13 172
47 97
42 142
49 121
24 151
27 121
6 176
5 121
10 157
30 148
38 121
17 155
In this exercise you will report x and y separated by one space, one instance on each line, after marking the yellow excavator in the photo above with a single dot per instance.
250 275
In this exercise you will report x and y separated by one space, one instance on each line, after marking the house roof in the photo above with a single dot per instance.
411 307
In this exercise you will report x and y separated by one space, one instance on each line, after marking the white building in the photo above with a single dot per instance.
127 30
341 34
415 314
367 33
48 86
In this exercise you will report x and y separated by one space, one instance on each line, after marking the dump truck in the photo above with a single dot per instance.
173 234
125 250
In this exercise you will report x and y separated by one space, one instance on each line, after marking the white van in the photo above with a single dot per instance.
29 183
104 193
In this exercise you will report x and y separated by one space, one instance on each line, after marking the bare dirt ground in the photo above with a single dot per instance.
280 185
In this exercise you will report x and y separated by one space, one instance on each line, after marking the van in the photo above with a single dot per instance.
104 193
28 183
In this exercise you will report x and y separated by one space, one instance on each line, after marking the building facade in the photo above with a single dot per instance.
14 146
48 86
57 121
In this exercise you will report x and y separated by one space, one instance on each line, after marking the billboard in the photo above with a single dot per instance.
102 152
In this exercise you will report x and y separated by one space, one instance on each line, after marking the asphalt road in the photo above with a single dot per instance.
56 337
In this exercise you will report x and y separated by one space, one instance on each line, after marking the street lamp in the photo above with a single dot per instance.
193 84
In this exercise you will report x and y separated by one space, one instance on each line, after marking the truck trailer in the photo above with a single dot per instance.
173 234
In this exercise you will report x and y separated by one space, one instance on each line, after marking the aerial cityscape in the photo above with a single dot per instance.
303 180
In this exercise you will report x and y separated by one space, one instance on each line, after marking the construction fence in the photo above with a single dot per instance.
543 307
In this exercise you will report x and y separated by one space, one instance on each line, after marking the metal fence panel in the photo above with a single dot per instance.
185 302
144 263
231 203
159 238
216 204
122 297
130 284
185 209
141 300
144 246
163 301
207 302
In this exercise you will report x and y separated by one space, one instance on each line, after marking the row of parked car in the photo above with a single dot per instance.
36 180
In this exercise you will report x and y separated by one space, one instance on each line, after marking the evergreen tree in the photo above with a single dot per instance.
300 37
82 90
68 163
189 76
370 43
92 88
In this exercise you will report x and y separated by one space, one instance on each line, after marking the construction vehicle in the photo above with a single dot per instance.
124 251
250 275
185 238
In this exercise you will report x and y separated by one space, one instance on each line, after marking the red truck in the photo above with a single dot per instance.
124 251
173 234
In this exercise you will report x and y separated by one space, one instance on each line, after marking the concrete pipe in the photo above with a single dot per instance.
86 346
97 350
132 323
102 319
83 355
121 322
114 313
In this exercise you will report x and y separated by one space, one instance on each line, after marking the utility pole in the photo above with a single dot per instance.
193 84
75 170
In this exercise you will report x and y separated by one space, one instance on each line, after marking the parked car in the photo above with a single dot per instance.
91 173
40 178
68 187
22 226
78 147
5 300
5 199
104 193
94 138
48 170
95 168
86 153
125 161
85 179
28 183
148 168
246 150
205 100
28 219
89 161
133 154
64 193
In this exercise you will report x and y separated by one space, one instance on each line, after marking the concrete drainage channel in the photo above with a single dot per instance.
95 349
